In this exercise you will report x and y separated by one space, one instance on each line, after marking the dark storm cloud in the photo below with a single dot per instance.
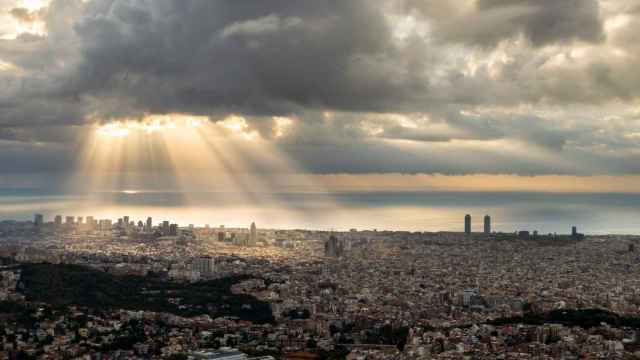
543 22
359 59
249 57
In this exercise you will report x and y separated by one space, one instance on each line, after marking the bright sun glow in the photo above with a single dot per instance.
34 4
150 124
188 153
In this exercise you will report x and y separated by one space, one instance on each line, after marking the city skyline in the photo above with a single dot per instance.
320 179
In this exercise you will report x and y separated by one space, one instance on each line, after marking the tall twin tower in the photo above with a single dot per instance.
467 224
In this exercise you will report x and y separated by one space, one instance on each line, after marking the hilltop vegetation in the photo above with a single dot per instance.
62 285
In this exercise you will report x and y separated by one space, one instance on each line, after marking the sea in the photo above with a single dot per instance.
592 213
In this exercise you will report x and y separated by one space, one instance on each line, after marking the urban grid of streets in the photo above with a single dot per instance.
368 294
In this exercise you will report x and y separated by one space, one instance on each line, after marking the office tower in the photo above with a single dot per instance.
80 219
204 264
105 225
333 247
467 224
140 224
574 231
90 222
253 235
149 224
38 220
125 221
468 296
487 224
173 230
221 236
58 220
69 220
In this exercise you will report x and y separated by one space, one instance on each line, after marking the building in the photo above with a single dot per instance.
173 230
487 224
204 264
149 224
91 223
253 235
105 225
468 295
69 220
58 220
333 247
467 224
38 220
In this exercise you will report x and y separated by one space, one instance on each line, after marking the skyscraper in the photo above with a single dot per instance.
467 224
149 224
58 220
205 265
333 247
253 235
487 224
90 222
38 220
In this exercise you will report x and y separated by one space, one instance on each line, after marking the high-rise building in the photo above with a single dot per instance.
574 231
105 225
468 295
333 247
221 236
253 235
38 220
69 220
173 230
467 224
80 219
204 264
487 224
149 224
58 220
125 220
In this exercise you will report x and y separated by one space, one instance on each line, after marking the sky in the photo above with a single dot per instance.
537 95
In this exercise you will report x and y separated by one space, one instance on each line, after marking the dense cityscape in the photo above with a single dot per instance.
383 180
92 289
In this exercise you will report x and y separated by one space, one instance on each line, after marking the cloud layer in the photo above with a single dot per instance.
476 86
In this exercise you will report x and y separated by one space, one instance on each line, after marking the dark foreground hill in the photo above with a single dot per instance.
62 285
